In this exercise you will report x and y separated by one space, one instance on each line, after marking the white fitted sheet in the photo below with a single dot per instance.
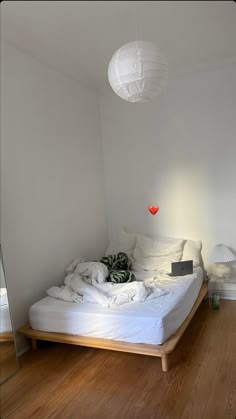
150 322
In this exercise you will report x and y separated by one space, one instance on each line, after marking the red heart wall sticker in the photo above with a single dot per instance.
153 209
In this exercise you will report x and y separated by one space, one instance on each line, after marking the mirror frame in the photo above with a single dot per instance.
13 329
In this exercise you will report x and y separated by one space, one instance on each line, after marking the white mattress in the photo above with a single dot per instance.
151 321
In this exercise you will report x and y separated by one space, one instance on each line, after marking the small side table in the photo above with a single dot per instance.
224 287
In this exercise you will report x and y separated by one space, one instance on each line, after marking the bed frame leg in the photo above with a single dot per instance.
164 363
34 344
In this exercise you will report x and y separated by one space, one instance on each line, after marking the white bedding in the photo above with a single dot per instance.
85 282
150 321
5 320
3 297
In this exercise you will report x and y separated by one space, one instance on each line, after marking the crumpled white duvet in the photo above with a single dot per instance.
3 297
85 282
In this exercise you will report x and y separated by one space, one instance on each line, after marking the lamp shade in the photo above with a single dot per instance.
221 254
138 71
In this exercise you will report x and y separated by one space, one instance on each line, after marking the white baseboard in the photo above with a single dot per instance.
227 295
225 289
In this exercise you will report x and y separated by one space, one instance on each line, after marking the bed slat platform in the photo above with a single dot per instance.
161 351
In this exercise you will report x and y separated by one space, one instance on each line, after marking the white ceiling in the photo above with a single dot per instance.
79 37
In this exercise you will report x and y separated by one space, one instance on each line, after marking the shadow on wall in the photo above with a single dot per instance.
185 207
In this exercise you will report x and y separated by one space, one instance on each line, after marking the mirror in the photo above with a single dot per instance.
8 358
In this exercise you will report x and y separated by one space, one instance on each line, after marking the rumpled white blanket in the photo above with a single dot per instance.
85 282
3 297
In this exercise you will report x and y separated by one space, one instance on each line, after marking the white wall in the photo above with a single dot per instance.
52 187
179 152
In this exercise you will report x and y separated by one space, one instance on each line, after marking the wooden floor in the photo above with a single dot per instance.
8 361
62 381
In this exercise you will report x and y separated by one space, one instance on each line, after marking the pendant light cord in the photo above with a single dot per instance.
137 22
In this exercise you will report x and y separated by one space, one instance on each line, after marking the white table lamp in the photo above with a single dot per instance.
221 256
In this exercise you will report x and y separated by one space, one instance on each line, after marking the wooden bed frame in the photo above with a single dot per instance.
161 351
6 337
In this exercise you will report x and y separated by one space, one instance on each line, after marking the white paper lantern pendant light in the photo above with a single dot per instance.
138 71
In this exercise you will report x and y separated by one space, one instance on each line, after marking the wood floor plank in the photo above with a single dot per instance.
65 381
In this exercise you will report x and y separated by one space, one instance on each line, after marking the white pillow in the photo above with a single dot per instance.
161 264
157 246
192 251
153 254
125 242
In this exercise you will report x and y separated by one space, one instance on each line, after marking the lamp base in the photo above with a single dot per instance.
222 270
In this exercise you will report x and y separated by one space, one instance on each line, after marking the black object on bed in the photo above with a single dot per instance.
118 266
182 268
